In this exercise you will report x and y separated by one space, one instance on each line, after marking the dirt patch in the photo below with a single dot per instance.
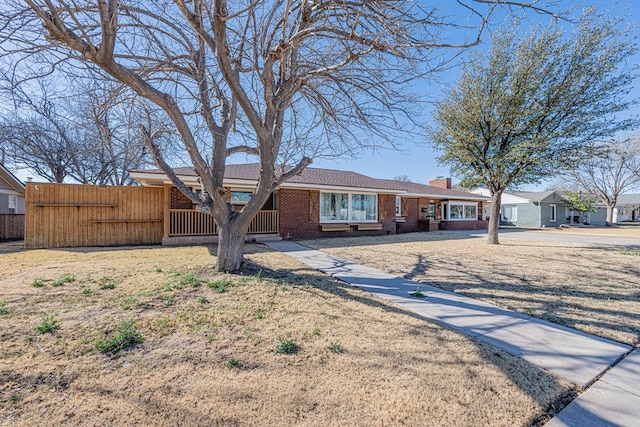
586 287
208 355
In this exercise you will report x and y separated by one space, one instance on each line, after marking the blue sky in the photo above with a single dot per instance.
418 160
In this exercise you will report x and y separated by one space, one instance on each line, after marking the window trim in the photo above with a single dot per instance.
554 212
398 206
463 204
349 208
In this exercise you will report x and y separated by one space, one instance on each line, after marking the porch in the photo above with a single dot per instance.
183 224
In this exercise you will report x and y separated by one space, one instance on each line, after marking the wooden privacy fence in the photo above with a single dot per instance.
11 226
66 215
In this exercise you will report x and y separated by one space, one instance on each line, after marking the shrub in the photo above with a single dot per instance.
125 336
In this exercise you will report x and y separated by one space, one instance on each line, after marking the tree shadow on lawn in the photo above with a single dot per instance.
410 237
561 304
508 364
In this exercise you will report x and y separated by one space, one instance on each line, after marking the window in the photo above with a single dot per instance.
509 213
398 206
553 213
334 206
432 211
240 197
12 201
460 211
348 207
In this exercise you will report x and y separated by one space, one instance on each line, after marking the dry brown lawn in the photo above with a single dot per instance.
208 357
593 289
631 230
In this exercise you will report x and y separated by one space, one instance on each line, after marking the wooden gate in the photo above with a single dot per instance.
67 215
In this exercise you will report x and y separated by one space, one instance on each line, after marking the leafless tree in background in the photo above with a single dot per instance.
610 171
85 137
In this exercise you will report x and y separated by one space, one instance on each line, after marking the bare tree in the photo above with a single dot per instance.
86 137
290 80
610 171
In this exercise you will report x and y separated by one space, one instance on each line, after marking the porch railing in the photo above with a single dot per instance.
189 222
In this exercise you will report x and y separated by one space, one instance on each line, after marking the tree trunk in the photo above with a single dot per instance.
231 238
494 219
610 208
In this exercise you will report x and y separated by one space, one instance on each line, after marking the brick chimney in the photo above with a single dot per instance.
441 182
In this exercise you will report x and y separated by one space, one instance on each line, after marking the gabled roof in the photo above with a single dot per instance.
315 178
536 196
629 199
12 181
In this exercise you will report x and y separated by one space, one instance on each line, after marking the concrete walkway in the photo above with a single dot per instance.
570 354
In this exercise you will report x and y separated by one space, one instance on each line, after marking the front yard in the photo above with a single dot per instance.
206 349
596 290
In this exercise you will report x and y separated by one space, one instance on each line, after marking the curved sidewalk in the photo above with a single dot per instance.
576 356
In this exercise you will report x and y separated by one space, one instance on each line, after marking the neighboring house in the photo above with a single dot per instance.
540 209
12 192
627 208
324 202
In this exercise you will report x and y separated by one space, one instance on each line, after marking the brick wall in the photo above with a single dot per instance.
464 225
411 217
179 200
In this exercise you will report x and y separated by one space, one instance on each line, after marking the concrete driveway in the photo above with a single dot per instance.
556 236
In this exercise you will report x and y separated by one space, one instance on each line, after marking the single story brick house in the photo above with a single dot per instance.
321 203
540 210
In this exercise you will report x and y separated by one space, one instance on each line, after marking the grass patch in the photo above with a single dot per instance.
67 278
125 336
190 279
37 283
107 282
335 347
233 363
286 346
417 293
630 251
3 308
49 324
220 285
